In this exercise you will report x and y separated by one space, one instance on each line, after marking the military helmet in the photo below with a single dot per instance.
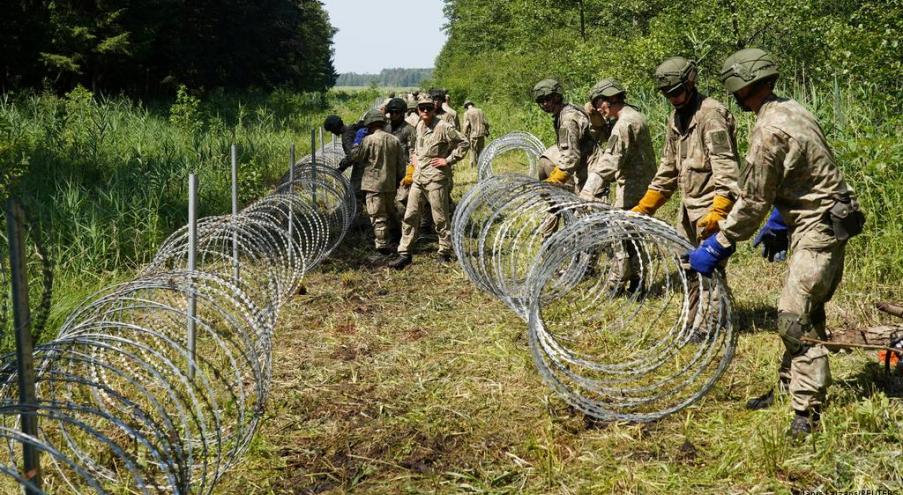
746 67
397 105
606 88
673 72
547 87
437 93
374 116
412 104
333 123
467 103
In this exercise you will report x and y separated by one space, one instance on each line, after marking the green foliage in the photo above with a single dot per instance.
147 47
499 49
403 78
107 176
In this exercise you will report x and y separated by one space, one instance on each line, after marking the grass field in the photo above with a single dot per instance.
416 382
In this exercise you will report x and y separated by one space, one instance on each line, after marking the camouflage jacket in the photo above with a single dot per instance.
599 127
407 136
702 159
381 156
449 118
475 124
628 159
437 140
575 143
789 164
412 119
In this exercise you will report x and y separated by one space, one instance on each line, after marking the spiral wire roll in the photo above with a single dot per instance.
618 325
513 141
123 402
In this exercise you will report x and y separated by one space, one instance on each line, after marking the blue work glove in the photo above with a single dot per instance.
706 257
773 238
359 136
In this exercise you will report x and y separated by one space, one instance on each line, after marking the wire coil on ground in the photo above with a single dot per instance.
524 142
618 324
126 400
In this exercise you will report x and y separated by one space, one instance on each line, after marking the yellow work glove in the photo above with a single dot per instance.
558 176
408 175
708 224
650 202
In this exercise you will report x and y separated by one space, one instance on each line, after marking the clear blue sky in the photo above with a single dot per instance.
383 34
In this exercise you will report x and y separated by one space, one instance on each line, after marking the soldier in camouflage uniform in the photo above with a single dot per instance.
443 111
406 134
574 142
627 160
700 158
411 117
476 128
437 148
382 156
790 166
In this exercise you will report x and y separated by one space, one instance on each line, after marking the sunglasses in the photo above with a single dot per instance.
426 108
675 91
396 111
543 99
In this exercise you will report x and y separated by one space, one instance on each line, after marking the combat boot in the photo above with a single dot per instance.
803 423
401 262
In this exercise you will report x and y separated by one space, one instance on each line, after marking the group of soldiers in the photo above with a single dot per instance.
790 172
401 156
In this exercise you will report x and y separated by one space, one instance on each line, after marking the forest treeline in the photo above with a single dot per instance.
499 49
152 46
404 78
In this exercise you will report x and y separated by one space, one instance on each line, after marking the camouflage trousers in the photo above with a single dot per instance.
379 208
476 147
701 299
815 269
437 197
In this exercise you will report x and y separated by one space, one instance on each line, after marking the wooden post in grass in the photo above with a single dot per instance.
15 224
192 260
235 263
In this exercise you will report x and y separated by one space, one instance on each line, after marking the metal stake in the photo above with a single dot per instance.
15 220
235 263
291 190
313 166
192 255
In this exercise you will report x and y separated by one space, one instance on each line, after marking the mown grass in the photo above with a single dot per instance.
415 382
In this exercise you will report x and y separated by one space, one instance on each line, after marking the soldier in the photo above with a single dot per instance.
412 118
447 108
627 160
382 157
700 158
574 143
438 147
475 130
406 134
439 97
334 124
790 166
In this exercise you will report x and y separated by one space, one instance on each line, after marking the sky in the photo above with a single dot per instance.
364 43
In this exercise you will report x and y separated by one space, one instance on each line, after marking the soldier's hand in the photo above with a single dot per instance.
439 162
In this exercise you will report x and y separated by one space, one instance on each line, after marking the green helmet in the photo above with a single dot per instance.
673 72
606 88
547 87
746 67
396 104
412 104
374 116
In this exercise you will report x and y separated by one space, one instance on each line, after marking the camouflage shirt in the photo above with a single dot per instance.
407 136
381 157
701 158
575 143
449 118
628 159
475 124
790 165
437 140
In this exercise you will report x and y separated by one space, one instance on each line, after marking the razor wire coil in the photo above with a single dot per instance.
618 325
123 401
